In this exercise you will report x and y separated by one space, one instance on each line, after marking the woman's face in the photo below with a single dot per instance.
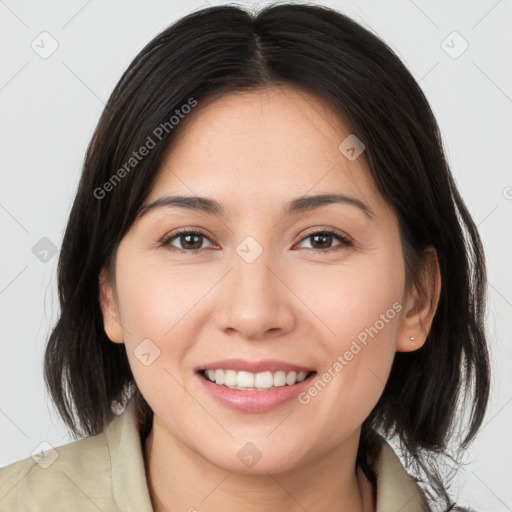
258 286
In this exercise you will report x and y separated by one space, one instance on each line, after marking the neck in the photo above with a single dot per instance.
180 479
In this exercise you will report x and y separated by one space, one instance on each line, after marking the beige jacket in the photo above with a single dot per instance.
105 473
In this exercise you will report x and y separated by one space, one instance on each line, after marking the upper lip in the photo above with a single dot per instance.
239 365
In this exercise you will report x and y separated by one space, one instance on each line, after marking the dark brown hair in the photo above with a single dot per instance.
219 50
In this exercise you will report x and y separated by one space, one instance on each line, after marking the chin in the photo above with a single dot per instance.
255 458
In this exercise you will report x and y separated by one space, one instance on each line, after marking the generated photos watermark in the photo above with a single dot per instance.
151 142
355 348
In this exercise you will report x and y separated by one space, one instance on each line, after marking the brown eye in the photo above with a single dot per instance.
192 241
322 240
188 241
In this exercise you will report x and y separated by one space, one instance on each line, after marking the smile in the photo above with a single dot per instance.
247 381
269 385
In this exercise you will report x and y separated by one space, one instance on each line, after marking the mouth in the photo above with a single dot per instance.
248 381
254 386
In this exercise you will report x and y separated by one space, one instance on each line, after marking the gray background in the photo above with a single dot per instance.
49 108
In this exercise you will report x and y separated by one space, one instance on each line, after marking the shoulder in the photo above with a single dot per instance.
103 472
396 488
69 477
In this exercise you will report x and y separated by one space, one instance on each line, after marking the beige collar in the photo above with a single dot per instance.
396 490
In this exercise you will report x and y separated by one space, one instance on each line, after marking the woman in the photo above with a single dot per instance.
267 271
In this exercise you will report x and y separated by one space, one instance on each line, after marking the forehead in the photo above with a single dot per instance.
266 144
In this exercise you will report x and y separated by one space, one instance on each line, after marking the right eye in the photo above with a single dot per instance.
190 241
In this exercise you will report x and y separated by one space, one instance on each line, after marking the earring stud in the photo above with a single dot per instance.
412 338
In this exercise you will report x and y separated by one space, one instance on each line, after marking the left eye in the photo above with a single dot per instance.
325 237
192 241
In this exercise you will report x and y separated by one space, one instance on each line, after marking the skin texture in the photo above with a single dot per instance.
253 152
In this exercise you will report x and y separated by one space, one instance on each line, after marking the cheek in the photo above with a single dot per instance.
156 300
163 312
153 306
355 299
361 306
158 334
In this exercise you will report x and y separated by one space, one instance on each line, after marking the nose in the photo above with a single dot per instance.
255 300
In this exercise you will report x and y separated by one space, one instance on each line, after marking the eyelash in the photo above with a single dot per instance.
346 242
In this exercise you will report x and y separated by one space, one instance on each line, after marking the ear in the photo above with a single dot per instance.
420 305
109 309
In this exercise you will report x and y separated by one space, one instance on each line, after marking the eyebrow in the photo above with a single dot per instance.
294 207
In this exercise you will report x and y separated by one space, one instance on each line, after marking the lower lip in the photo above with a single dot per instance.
254 401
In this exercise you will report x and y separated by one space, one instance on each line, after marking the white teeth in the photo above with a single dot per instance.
301 376
219 376
243 379
230 378
263 380
280 378
291 378
259 381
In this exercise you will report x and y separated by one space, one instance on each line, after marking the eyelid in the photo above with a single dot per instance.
335 233
165 241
